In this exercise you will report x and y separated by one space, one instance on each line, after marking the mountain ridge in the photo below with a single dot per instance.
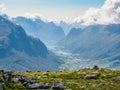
96 43
48 32
23 52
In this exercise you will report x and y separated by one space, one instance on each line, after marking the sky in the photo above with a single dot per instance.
50 9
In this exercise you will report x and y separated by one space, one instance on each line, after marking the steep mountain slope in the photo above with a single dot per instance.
96 42
72 35
48 32
19 51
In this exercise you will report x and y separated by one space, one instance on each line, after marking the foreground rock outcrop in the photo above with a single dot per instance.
27 82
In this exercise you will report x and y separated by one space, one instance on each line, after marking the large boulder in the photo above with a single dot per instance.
58 86
39 86
26 81
8 76
32 84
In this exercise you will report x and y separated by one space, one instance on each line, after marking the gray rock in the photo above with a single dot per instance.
91 76
95 67
1 86
26 81
22 79
8 76
39 86
32 84
1 80
58 86
117 78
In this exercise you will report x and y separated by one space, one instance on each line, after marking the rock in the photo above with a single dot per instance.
47 86
117 78
95 67
32 84
38 71
1 80
39 86
91 76
35 86
58 86
1 86
28 71
21 79
26 81
48 71
8 76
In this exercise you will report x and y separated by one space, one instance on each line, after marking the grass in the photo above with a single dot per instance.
74 80
11 86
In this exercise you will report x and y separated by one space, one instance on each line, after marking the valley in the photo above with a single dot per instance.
71 61
74 62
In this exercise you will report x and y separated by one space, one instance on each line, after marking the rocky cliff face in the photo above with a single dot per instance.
18 51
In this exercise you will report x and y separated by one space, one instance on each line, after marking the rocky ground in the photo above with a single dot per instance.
10 80
85 79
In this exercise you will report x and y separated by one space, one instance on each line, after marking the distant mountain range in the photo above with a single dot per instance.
21 52
95 42
68 26
48 32
18 48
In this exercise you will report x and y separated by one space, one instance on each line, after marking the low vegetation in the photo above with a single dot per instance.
72 80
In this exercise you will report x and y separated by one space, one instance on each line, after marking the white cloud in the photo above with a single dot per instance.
34 16
2 8
109 13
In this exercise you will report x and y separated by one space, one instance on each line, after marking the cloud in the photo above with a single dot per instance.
34 16
109 13
2 8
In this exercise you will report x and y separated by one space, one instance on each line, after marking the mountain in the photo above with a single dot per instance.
95 42
48 32
74 32
21 52
68 26
71 37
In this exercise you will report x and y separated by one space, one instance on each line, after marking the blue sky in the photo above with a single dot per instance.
58 9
